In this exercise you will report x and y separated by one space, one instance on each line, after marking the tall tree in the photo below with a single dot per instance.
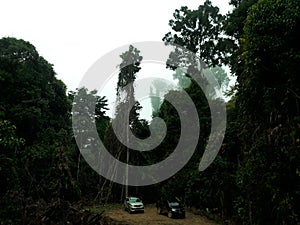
90 110
129 67
200 31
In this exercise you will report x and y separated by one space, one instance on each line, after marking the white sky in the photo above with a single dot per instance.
72 35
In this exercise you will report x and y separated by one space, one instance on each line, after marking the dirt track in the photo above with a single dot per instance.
150 217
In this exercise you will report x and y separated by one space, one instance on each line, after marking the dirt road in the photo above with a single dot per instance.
150 217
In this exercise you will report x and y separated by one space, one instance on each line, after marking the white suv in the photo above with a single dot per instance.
133 204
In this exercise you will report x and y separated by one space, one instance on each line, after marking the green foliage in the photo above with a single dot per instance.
9 142
235 21
31 97
130 65
221 76
183 79
200 31
234 26
255 179
267 102
158 88
88 107
10 192
35 134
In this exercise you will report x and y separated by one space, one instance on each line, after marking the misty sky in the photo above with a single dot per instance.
72 35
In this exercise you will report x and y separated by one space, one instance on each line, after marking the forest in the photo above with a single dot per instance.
255 178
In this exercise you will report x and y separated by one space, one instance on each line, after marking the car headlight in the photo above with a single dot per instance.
173 210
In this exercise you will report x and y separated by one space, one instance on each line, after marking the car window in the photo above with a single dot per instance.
174 204
134 200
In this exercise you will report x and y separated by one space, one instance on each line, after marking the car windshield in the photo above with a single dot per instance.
134 200
174 204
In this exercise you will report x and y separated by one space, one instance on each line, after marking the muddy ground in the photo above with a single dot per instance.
150 217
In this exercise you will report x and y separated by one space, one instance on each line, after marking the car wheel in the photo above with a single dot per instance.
158 211
170 214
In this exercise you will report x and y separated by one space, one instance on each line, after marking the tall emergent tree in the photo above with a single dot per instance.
129 67
200 31
125 96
